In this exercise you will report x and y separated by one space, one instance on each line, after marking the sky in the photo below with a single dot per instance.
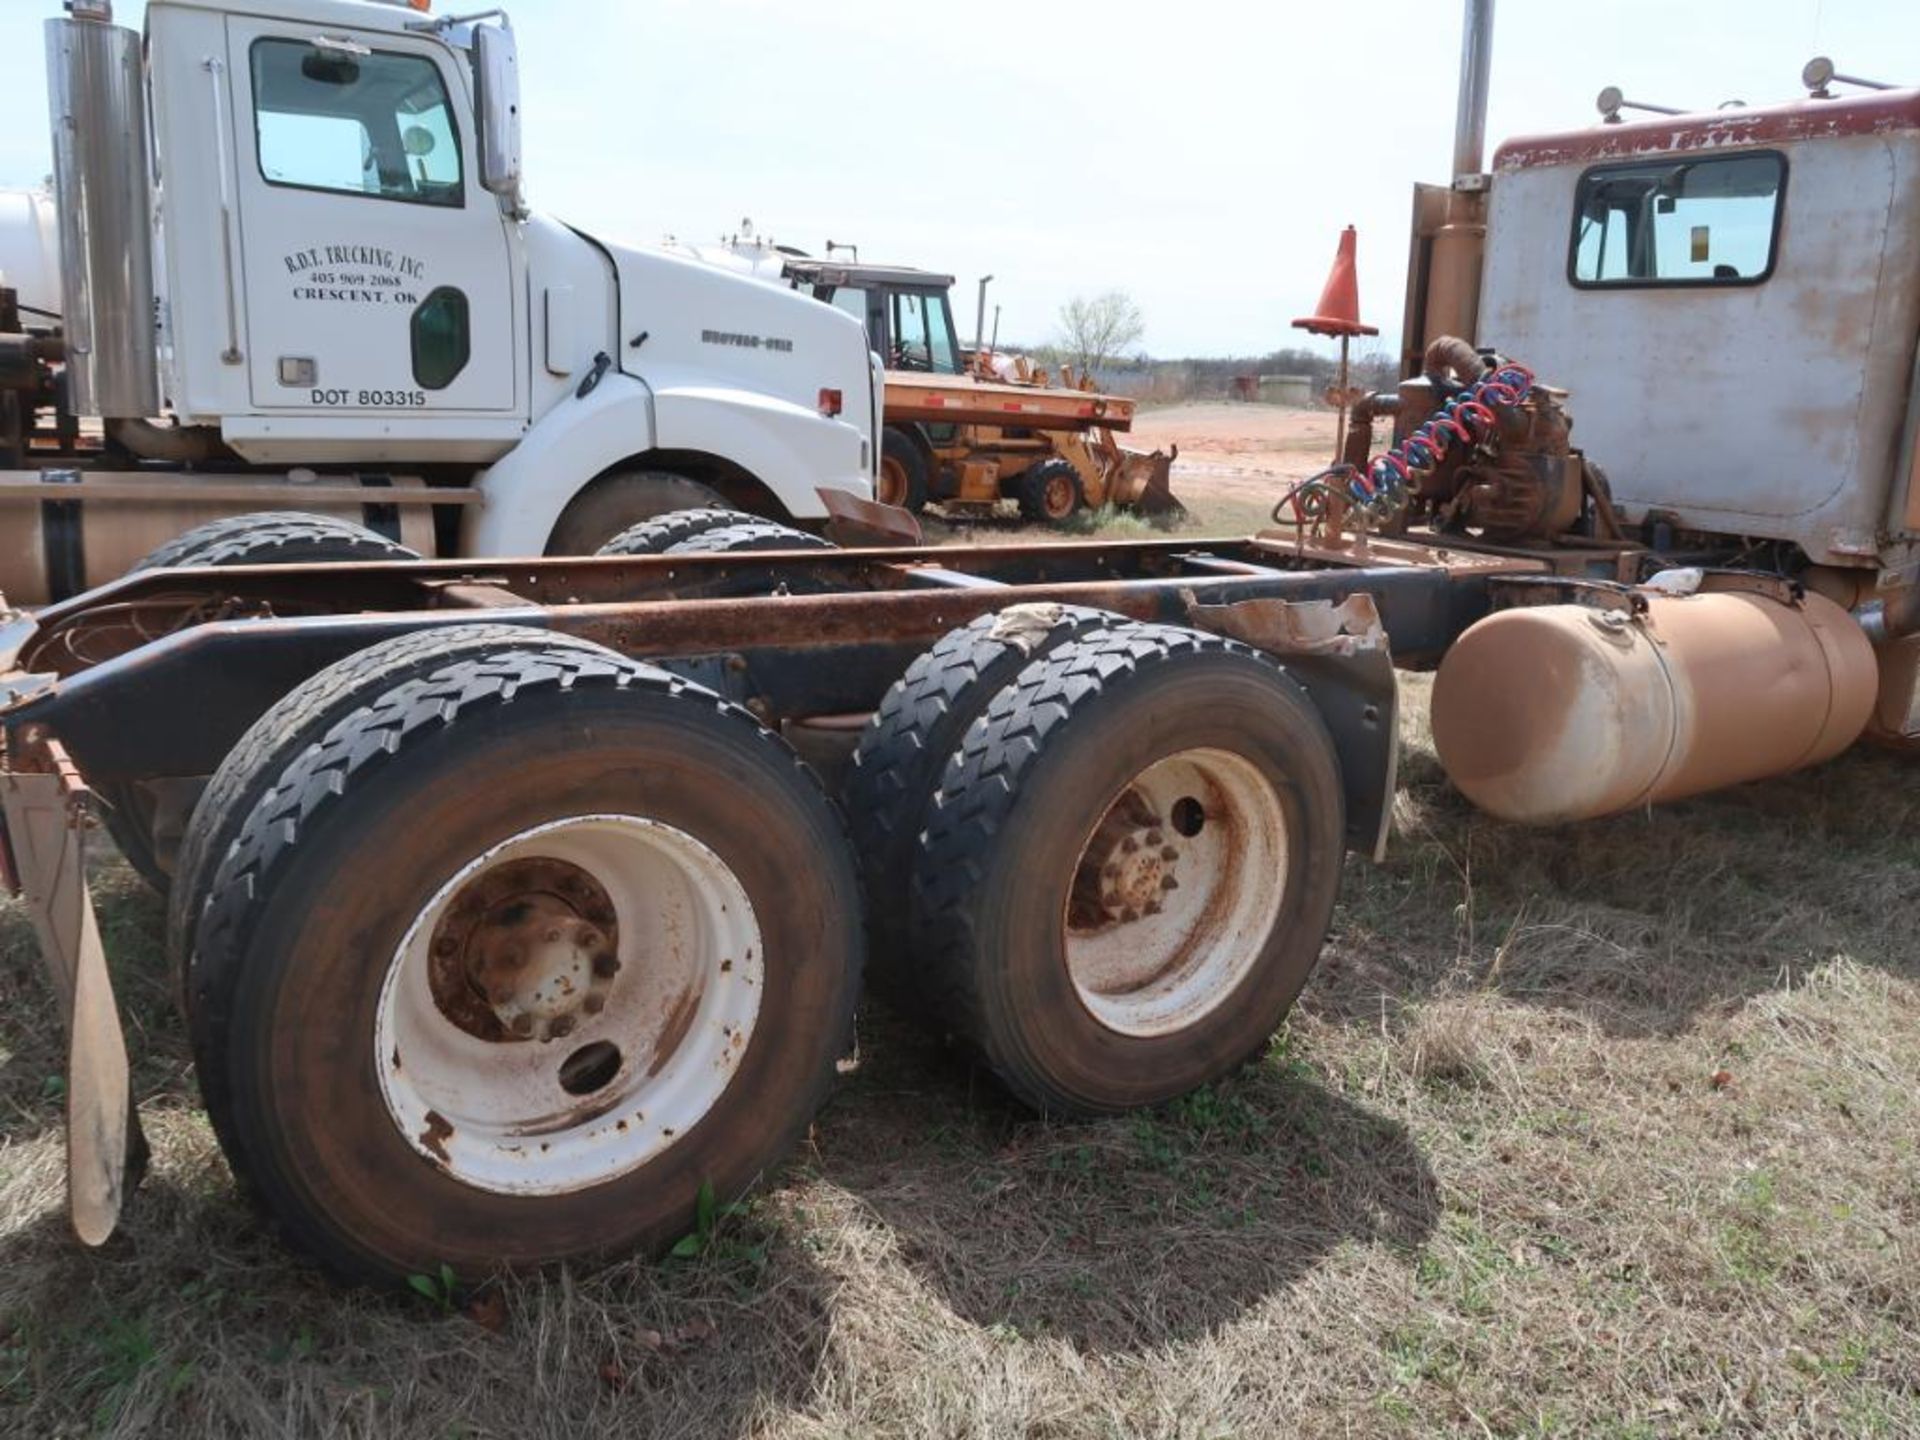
1200 155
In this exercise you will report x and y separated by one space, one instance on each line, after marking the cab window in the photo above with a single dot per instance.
1683 221
923 334
854 302
940 324
911 348
353 120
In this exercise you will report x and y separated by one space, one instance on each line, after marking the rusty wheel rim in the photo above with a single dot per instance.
1057 495
1176 892
893 482
569 1004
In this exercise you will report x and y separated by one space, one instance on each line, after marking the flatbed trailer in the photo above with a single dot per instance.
915 398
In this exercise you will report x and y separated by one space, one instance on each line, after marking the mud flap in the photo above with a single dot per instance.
46 824
860 524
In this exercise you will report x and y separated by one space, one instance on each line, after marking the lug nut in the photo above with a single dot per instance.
522 1025
594 1004
561 1027
1169 853
606 964
1129 845
1154 837
1167 882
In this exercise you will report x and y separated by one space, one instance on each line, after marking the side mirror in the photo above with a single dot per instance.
497 100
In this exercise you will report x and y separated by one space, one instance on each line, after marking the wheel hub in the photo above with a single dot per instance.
1128 867
626 940
526 951
1175 891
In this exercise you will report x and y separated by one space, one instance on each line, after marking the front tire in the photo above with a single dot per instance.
520 957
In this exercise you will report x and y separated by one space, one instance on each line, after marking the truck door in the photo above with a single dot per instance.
378 274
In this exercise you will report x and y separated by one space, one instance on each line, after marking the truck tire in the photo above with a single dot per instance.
1049 492
920 722
274 537
266 537
755 535
749 534
618 501
300 718
517 960
1046 932
903 471
663 532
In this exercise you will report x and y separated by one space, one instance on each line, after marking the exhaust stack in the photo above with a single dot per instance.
1476 70
99 114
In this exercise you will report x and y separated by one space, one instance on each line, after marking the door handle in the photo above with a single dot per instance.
214 68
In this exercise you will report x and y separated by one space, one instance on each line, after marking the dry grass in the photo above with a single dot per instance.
1609 1131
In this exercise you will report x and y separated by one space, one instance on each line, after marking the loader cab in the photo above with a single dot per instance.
352 282
908 315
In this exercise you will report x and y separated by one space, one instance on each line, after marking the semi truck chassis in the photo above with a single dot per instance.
148 684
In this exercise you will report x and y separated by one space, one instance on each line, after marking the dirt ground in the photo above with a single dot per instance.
1237 452
1611 1130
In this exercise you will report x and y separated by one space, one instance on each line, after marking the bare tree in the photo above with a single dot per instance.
1097 328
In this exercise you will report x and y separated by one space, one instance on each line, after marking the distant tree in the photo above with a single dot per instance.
1096 328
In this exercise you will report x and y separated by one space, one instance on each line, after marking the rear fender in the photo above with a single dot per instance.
1338 653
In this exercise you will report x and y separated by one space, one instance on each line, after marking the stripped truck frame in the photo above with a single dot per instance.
796 640
516 903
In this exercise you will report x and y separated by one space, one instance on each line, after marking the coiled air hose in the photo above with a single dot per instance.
1470 416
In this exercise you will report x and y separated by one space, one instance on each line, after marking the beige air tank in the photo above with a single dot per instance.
1551 713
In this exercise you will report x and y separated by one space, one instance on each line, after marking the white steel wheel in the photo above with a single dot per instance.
568 1004
1175 891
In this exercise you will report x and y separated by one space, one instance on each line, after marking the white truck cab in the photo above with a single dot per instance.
321 262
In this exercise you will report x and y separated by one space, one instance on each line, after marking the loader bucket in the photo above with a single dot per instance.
1145 483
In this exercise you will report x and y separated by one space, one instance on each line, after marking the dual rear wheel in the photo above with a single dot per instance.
498 947
1122 867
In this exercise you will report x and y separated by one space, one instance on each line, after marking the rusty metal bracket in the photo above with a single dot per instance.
854 522
47 813
1295 627
1338 652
